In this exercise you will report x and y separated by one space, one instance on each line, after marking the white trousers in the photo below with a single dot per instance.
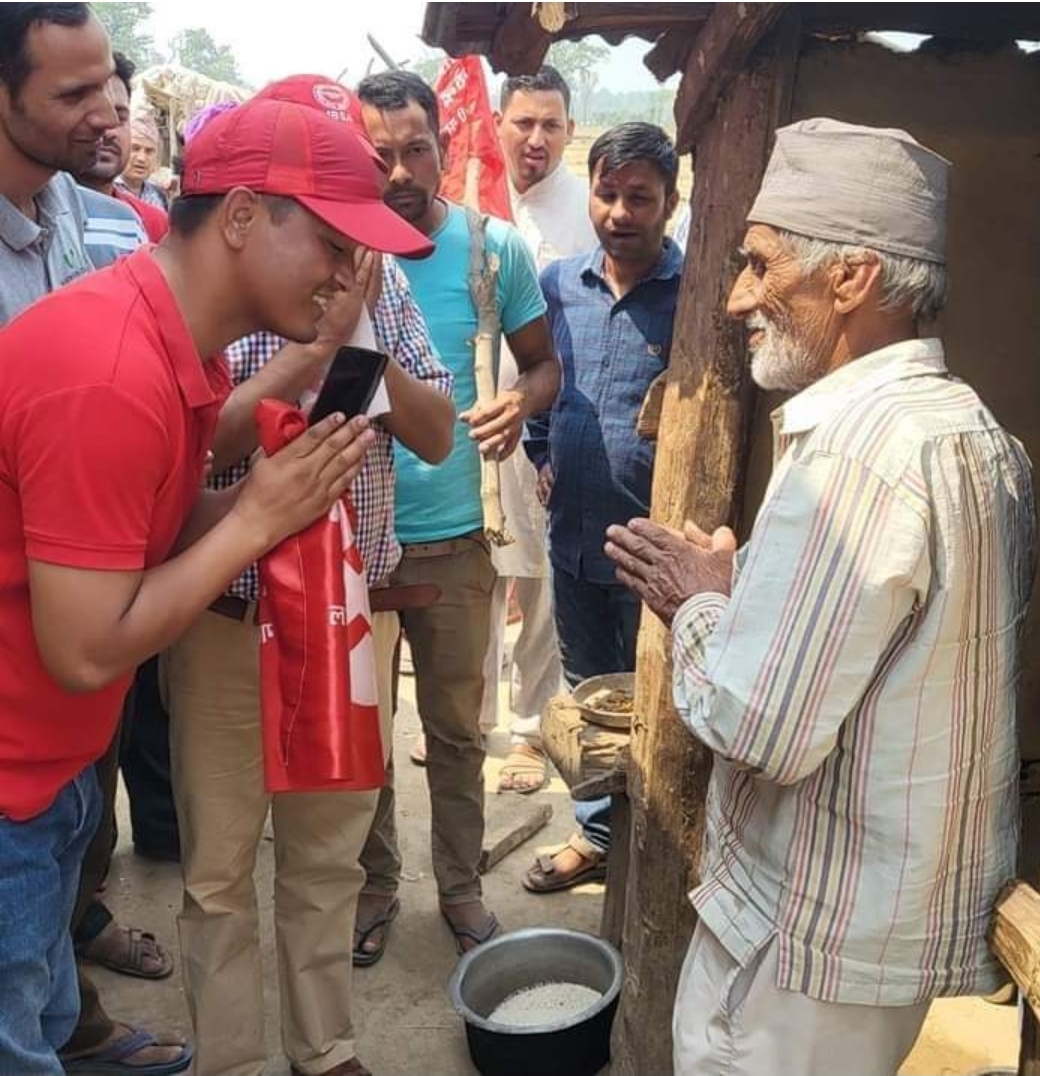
734 1021
537 674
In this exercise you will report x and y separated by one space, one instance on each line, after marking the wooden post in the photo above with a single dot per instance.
1015 938
698 475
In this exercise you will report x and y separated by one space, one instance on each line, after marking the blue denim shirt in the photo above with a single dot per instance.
610 351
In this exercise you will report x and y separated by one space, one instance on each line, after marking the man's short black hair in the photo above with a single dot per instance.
189 212
390 91
547 80
125 68
635 141
16 20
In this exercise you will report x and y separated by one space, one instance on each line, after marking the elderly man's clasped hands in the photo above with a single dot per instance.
665 566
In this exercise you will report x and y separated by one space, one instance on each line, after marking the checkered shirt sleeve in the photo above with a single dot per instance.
401 332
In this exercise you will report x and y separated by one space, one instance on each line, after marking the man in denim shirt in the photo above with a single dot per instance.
611 314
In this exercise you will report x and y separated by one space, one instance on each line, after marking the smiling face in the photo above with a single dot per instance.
789 315
59 115
629 208
534 130
114 150
291 261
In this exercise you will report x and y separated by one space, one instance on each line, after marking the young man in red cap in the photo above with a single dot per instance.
212 679
98 572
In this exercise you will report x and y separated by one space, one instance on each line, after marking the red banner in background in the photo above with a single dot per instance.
475 171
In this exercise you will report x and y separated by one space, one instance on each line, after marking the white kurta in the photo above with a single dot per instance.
553 219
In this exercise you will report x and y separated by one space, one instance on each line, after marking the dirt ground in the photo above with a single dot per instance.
406 1026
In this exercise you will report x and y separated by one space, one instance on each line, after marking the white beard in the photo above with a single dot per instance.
778 362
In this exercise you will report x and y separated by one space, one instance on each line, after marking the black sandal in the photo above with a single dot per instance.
365 958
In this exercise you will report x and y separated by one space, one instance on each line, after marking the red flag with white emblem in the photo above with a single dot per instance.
318 701
475 171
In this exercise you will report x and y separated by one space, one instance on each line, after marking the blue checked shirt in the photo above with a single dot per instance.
401 332
610 351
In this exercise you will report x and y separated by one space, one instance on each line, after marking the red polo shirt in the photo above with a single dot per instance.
106 414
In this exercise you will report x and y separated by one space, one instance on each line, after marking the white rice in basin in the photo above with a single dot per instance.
545 1003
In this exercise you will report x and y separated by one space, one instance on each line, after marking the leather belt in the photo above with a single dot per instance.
235 608
381 600
412 596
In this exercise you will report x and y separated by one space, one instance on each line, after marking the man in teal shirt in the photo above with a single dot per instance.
438 510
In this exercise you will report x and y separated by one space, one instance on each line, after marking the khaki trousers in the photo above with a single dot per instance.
448 642
212 682
736 1021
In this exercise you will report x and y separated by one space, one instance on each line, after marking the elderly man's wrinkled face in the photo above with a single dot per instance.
789 315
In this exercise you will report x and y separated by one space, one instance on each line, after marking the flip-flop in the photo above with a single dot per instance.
490 929
111 1061
365 958
524 760
543 877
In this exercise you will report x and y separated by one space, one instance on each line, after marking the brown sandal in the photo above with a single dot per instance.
544 876
523 760
132 956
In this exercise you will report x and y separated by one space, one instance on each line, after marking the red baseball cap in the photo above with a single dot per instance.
280 147
317 91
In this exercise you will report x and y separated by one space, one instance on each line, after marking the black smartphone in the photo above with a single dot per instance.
350 384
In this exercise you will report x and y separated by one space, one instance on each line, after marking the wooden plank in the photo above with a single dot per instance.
1015 938
580 751
472 27
505 830
1029 1050
519 43
970 22
698 475
718 53
671 52
612 920
614 783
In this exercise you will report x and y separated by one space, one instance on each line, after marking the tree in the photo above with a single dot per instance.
577 62
197 50
428 66
125 24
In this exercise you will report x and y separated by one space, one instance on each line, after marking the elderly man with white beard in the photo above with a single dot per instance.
852 668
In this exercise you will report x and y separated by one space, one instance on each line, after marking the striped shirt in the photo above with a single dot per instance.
858 689
402 334
111 229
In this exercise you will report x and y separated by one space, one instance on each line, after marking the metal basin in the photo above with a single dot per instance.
576 1046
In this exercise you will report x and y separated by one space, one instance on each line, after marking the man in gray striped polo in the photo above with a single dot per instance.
853 666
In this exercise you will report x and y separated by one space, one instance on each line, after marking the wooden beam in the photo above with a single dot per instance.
1029 1047
1015 938
671 53
519 44
507 829
698 474
719 52
473 27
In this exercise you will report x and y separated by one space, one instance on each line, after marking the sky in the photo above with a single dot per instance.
329 38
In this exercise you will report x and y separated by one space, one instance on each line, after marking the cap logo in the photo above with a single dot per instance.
334 99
